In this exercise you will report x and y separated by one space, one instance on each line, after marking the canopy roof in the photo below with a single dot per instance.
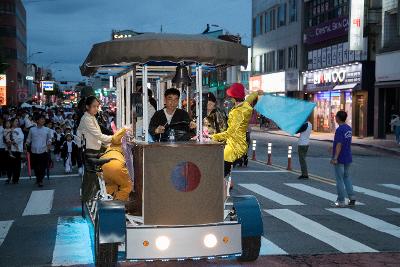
162 47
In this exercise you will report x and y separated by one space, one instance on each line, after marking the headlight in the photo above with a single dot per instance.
210 241
162 242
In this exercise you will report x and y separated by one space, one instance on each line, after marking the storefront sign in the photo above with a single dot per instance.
335 55
47 86
255 83
329 76
273 83
327 79
22 95
356 24
3 90
329 30
388 67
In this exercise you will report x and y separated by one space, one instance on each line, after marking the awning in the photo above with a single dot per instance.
345 86
164 47
390 84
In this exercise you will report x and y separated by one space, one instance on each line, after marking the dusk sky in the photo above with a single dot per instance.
65 30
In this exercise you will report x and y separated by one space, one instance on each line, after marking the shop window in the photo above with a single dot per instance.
281 59
292 11
258 24
320 11
8 31
254 27
267 22
292 57
272 19
271 66
282 15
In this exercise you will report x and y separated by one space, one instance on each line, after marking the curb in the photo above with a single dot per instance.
388 150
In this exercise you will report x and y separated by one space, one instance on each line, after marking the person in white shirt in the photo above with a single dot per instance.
39 139
69 152
90 134
395 125
16 148
3 154
89 128
303 143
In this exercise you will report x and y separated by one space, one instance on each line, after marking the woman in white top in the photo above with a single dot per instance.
17 146
89 128
89 131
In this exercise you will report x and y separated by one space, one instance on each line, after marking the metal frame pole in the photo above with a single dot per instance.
158 86
199 102
119 102
145 106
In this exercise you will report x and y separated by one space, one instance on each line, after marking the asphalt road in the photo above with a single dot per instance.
42 227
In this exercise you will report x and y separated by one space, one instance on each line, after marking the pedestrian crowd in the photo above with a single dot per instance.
35 136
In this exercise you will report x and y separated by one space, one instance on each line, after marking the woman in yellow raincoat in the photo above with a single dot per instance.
238 119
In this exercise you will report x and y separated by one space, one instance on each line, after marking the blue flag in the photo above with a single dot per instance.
288 113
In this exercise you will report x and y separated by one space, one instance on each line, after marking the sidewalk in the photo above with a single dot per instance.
388 145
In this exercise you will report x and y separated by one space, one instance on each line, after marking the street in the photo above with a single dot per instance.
43 227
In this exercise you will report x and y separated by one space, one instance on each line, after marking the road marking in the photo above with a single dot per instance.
271 195
269 248
395 209
40 202
369 221
312 176
249 171
377 194
4 228
320 232
51 176
73 245
392 186
316 192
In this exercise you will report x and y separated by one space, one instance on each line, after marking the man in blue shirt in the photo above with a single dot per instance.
341 160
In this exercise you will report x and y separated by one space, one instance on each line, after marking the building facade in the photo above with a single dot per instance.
13 48
335 77
387 87
276 46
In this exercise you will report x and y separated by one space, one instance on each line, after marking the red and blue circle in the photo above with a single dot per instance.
186 176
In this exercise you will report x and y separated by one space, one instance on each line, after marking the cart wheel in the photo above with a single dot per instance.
250 248
106 254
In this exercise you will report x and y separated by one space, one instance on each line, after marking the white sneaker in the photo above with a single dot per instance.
80 171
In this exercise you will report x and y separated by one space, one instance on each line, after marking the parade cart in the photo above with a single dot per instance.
181 207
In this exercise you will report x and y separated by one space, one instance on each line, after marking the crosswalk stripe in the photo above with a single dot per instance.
377 194
73 245
269 248
4 228
395 209
369 221
40 202
320 232
316 192
271 195
392 186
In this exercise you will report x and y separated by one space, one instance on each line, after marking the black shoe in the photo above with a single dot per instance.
352 202
40 184
303 177
15 182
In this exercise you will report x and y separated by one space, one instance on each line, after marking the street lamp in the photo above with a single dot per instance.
32 54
